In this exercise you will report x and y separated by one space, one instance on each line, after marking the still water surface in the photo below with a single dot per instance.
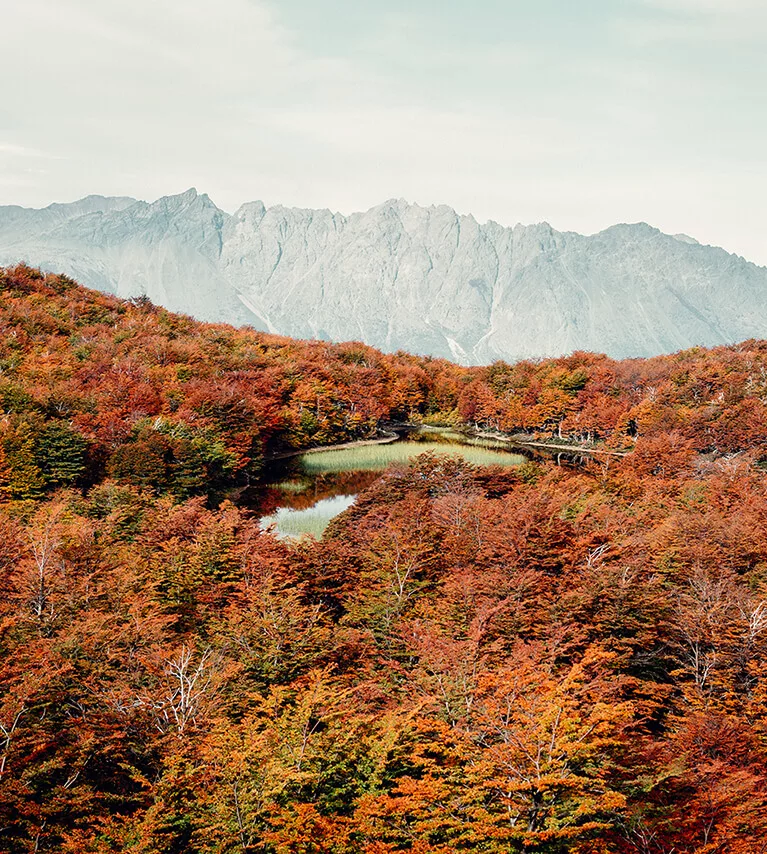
309 491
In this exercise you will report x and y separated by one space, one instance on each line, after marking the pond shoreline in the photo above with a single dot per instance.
518 442
395 432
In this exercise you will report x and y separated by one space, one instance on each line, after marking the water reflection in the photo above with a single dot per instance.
291 524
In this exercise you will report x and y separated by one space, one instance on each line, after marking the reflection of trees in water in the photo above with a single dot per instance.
267 500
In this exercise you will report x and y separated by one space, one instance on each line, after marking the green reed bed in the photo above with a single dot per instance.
379 457
291 486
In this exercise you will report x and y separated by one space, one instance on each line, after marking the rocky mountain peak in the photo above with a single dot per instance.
402 276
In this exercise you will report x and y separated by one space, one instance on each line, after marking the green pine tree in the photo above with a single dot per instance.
60 454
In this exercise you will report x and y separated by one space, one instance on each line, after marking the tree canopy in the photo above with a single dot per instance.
544 659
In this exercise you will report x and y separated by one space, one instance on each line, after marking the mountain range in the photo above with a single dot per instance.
401 276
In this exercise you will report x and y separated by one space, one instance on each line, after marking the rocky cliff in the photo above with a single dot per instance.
401 276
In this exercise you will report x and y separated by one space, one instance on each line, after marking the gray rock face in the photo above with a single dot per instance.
400 276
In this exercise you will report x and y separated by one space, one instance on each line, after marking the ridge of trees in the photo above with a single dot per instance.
93 386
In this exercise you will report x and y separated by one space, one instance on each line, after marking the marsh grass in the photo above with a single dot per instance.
436 434
448 434
379 457
489 444
296 524
294 487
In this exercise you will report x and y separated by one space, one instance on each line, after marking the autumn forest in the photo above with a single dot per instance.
565 656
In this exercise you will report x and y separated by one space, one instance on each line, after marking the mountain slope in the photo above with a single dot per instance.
401 276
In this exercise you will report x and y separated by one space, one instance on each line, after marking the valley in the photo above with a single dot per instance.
404 489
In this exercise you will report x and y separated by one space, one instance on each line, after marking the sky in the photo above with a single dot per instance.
581 114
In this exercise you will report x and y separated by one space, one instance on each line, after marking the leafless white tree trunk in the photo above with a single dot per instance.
6 736
44 545
188 679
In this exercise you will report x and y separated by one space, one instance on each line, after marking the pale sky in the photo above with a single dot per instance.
582 113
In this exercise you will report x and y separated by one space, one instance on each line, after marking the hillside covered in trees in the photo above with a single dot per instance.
541 659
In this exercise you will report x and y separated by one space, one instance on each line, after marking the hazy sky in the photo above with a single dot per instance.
579 112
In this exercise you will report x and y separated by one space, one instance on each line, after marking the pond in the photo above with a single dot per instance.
310 490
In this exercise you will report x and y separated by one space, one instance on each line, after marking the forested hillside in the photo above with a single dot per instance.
542 659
